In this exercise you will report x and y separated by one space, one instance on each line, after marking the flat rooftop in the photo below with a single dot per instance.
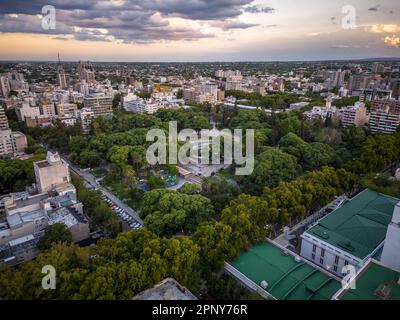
359 226
168 289
287 279
373 279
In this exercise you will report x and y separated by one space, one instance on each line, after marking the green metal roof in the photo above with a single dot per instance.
286 278
359 226
373 277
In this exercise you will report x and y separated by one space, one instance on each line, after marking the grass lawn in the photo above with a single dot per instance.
122 192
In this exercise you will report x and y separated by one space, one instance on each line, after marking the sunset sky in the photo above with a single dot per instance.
198 30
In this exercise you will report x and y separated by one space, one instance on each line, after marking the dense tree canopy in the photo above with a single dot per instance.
168 212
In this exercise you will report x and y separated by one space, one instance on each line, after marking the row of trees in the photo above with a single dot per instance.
114 269
95 208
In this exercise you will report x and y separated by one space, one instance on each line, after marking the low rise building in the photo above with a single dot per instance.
351 234
51 172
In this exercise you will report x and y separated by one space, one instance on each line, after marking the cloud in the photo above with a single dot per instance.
232 24
130 21
258 9
375 8
383 28
392 41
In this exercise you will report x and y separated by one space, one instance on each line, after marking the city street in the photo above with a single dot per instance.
91 180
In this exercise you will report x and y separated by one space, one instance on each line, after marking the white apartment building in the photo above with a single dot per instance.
354 115
85 116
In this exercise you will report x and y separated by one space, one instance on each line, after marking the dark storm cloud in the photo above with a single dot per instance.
129 21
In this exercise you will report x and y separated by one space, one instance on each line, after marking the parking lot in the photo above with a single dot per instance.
128 219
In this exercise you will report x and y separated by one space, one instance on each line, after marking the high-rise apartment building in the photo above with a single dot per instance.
100 105
359 82
4 86
355 115
385 116
3 120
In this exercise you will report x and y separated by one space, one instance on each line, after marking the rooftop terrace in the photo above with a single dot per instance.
375 282
287 279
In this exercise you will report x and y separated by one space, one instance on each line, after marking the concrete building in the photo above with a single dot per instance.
27 216
47 109
4 86
359 82
85 116
86 72
391 249
61 78
63 109
12 143
356 115
374 94
51 172
25 110
351 234
38 121
100 105
385 116
3 120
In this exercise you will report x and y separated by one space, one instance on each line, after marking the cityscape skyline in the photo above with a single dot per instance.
199 31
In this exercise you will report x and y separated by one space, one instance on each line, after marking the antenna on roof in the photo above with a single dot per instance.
58 58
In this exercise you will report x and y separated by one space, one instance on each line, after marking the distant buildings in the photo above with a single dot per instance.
133 103
385 116
62 80
374 94
86 72
359 82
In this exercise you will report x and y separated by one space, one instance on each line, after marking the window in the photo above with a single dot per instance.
314 248
336 259
321 261
322 253
313 256
65 179
346 263
335 268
